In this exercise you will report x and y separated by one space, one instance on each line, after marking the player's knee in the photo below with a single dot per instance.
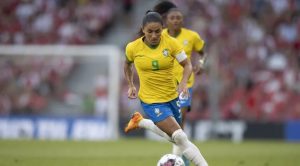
179 137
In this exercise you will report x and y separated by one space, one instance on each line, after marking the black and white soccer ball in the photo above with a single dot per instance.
170 160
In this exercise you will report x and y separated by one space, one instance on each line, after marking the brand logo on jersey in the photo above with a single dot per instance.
165 52
185 42
157 112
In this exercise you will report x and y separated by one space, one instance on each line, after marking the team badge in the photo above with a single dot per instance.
165 52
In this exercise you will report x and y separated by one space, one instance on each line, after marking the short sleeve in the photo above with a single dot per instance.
129 53
177 48
198 42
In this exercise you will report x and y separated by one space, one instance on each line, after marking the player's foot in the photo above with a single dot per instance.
134 121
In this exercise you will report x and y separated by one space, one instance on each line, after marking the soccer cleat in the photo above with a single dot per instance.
134 122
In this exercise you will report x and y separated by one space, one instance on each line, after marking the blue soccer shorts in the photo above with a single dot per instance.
160 111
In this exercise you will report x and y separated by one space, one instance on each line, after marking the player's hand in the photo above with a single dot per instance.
132 93
183 90
200 66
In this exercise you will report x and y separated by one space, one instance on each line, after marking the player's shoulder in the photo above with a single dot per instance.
165 31
190 32
134 43
165 36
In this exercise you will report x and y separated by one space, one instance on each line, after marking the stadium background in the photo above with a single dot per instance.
251 89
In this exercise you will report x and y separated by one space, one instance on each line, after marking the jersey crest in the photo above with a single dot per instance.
166 52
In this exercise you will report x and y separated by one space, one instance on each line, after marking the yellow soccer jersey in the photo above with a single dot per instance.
191 41
155 68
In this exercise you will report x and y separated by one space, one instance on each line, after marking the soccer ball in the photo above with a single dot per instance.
170 160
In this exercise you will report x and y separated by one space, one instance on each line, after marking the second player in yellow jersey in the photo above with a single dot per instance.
190 41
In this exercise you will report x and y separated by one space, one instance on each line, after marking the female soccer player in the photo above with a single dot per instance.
153 56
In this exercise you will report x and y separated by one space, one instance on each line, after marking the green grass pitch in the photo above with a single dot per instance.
139 152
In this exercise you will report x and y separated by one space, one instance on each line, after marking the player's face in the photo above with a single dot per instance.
152 32
174 20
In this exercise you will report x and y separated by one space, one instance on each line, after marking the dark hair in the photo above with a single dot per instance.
163 7
173 10
150 16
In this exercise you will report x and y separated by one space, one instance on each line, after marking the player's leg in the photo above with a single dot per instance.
156 112
184 111
138 121
175 149
184 147
190 151
185 105
163 116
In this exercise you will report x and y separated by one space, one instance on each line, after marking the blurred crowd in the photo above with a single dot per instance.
27 84
54 21
255 46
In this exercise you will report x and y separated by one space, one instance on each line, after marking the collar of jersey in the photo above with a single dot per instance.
151 47
175 35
